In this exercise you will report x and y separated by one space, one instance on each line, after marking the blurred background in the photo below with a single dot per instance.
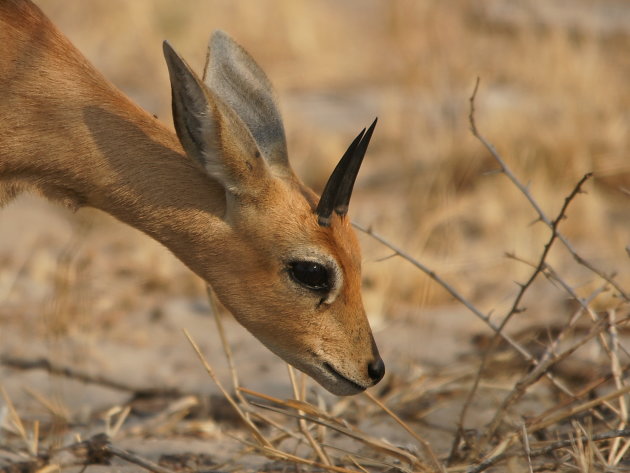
554 99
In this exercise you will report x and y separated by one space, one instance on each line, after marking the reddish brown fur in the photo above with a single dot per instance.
67 133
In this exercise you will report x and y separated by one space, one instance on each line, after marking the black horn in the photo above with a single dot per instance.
338 189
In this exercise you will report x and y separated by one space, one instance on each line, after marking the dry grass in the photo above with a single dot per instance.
551 393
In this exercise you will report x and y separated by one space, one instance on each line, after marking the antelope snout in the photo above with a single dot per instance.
348 379
376 369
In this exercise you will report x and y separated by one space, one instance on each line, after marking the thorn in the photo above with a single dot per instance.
385 258
535 221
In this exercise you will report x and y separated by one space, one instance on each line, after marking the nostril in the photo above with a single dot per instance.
376 369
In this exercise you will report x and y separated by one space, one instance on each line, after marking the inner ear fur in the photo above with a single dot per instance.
212 132
233 75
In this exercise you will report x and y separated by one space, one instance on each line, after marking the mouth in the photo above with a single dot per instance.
324 373
351 386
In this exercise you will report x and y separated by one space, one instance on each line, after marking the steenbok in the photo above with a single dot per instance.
223 197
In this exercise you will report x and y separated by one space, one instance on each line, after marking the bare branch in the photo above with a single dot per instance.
534 375
450 289
505 169
541 368
71 373
516 308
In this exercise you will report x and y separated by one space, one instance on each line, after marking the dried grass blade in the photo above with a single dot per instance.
404 425
56 409
259 437
294 404
317 448
367 460
16 420
356 435
275 454
224 342
581 408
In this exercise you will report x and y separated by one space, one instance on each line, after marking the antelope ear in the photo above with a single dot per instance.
233 76
211 132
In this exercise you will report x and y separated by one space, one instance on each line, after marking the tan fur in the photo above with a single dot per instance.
68 134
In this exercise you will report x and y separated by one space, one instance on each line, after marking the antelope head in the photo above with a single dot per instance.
285 263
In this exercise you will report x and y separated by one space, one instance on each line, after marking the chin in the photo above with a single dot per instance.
333 381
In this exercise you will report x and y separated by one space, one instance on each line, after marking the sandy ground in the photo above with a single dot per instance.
146 347
435 350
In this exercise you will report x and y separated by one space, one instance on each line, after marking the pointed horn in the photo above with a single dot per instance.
327 201
338 189
347 183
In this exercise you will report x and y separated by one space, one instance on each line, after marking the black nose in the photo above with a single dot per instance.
376 369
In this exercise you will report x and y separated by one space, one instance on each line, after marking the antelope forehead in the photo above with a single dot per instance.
344 242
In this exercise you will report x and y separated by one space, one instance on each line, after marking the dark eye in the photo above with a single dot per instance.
309 274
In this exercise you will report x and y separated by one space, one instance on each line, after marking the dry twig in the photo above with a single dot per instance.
538 452
254 430
505 169
515 308
71 373
426 445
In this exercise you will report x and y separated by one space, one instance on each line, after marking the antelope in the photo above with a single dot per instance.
220 194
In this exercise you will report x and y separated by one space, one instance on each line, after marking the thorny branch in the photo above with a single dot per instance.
540 368
505 169
485 318
450 289
497 329
543 257
534 375
555 234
